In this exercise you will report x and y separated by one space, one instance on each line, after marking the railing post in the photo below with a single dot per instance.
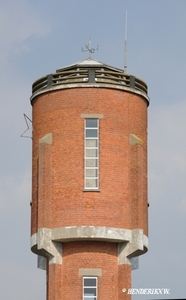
132 82
49 80
91 75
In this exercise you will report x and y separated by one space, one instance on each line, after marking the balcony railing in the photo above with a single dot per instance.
83 75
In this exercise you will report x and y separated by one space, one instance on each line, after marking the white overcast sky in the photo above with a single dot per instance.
38 37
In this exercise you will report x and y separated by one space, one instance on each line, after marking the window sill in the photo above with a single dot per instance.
91 190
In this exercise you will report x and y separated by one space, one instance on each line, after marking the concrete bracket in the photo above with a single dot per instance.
41 262
136 246
131 243
53 250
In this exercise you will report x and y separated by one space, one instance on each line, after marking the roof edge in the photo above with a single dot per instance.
91 62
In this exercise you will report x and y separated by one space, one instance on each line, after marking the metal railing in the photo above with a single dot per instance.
102 75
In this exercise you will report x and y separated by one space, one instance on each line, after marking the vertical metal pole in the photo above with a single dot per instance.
125 46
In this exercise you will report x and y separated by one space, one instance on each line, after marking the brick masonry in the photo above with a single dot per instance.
89 255
58 198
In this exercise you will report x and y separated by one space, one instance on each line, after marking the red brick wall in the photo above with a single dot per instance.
64 281
124 282
58 112
90 255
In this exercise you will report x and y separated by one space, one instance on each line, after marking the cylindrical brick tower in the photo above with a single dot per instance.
89 184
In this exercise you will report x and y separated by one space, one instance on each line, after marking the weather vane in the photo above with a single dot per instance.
89 48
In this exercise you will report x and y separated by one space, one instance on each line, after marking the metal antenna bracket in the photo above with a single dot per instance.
89 48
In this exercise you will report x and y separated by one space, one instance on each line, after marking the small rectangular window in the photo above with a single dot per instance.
91 133
91 123
90 288
91 173
91 153
91 163
91 143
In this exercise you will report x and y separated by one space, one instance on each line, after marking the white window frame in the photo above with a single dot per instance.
94 158
90 287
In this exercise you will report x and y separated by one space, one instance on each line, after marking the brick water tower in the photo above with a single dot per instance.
89 219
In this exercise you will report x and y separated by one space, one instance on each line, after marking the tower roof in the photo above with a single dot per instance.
89 62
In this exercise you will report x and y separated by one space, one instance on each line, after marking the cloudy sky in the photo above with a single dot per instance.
38 37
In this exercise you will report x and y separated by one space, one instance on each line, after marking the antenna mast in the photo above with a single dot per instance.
125 46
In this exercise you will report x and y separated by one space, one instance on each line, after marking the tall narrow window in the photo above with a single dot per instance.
91 153
90 288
